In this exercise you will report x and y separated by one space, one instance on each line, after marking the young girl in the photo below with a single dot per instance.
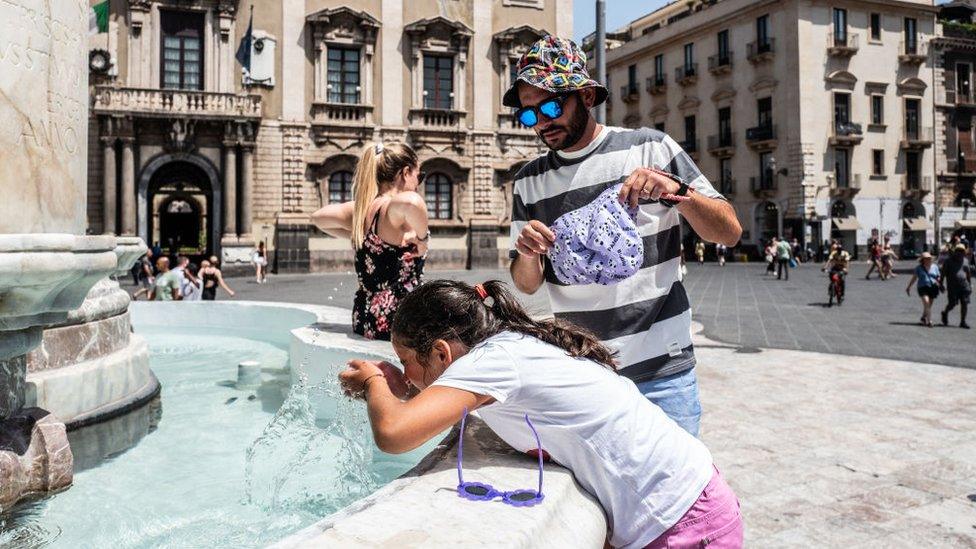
929 280
260 260
387 224
473 348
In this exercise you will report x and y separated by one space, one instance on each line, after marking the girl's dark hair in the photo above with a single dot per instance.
452 310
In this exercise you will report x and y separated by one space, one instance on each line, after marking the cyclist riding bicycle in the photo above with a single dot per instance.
838 263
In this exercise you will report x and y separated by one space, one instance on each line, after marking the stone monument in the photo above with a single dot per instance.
66 351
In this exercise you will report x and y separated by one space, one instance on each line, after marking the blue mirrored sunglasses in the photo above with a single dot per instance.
551 108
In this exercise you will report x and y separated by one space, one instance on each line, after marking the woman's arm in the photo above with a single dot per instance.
335 219
400 426
220 280
908 289
408 212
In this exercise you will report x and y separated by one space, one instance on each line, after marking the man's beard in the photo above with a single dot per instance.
575 128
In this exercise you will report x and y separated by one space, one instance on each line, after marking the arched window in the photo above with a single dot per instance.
438 193
340 187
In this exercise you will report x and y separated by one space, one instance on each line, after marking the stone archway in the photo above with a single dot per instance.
167 177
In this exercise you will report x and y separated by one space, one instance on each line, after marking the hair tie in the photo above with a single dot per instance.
378 149
483 294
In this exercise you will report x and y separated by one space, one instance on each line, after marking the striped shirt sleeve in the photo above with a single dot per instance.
684 167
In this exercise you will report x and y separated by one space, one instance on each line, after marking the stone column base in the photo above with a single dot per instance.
235 256
35 457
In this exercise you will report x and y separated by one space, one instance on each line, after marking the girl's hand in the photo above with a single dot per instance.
395 380
353 378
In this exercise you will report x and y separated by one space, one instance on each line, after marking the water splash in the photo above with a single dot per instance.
295 464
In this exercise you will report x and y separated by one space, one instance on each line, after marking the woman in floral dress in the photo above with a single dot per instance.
387 224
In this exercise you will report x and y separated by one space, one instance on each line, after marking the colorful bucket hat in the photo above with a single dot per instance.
598 243
556 65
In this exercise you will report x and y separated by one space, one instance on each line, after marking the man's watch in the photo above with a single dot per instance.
683 190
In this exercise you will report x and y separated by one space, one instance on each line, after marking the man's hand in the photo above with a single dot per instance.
647 183
535 239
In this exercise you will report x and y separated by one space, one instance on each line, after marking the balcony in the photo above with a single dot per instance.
720 64
761 51
913 52
763 187
846 134
169 103
686 75
917 138
761 138
961 166
437 119
848 189
628 93
915 187
340 121
961 99
721 145
657 85
841 44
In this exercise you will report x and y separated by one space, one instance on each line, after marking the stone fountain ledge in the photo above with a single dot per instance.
421 508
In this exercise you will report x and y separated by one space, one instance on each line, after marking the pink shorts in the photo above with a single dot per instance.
713 521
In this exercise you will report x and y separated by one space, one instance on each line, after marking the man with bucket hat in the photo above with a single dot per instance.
642 310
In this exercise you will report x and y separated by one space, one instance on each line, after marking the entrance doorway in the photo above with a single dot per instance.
181 210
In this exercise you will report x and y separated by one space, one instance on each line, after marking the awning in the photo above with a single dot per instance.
917 224
846 223
966 223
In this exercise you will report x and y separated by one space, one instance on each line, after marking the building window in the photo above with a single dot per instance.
343 75
725 127
876 26
689 59
842 167
840 26
725 176
659 127
765 171
659 69
340 187
438 194
877 164
877 109
762 34
765 106
723 47
912 118
842 109
632 79
911 35
691 141
438 82
513 73
963 80
182 50
912 171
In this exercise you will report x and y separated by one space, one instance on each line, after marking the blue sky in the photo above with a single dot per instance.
619 13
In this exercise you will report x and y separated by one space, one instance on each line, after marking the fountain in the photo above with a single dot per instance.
67 355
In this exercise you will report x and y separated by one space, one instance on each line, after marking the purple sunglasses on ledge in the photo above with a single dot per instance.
477 491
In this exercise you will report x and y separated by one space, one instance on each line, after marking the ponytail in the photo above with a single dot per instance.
452 310
377 168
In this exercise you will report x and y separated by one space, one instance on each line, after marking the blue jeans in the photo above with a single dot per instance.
677 395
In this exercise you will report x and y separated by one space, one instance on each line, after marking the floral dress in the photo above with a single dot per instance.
386 274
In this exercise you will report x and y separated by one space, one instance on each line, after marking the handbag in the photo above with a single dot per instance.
793 263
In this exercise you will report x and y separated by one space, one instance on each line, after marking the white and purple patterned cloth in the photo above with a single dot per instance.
598 243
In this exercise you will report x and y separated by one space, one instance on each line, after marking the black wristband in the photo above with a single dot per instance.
682 191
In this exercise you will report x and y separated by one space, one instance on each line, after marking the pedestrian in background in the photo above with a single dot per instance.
720 251
260 260
929 279
770 256
874 249
700 252
211 277
783 253
167 286
957 274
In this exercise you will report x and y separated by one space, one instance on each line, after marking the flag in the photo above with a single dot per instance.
98 18
244 50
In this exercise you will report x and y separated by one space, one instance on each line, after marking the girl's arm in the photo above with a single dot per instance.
335 219
220 280
400 426
408 211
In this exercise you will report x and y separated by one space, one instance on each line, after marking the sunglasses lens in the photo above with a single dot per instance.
476 490
528 117
523 496
551 108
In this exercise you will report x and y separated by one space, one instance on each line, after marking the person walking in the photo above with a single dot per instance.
888 257
211 277
147 276
720 251
191 287
646 318
700 252
929 279
874 249
957 273
769 253
167 285
783 254
386 223
260 260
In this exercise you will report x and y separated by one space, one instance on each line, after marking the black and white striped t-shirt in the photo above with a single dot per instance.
647 317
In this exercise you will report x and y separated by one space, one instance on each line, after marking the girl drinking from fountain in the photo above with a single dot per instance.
469 348
387 224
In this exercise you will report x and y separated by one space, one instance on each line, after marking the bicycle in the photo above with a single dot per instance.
835 290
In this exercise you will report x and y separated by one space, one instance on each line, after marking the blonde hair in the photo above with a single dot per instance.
377 168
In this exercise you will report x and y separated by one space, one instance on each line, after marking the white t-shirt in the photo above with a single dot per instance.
645 470
191 291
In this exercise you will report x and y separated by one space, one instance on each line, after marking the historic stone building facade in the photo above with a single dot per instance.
814 117
188 151
955 98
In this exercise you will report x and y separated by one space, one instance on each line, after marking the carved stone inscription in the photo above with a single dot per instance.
43 115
